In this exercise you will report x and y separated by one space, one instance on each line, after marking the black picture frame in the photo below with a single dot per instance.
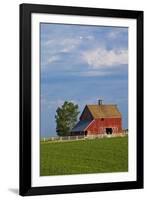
25 187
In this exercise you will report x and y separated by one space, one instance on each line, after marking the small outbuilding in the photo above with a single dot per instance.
99 119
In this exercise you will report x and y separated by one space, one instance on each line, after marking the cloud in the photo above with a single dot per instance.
51 103
52 59
69 44
116 33
94 73
62 44
54 50
90 73
54 104
88 37
101 57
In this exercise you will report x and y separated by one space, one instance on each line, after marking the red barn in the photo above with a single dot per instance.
99 119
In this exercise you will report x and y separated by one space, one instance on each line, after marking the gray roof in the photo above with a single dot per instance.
81 125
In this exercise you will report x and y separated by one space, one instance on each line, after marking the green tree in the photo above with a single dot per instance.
66 118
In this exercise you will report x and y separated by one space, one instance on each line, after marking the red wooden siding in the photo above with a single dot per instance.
98 126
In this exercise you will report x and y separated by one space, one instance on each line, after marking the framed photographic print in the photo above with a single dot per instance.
81 99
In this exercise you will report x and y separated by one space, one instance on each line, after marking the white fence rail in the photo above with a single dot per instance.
83 137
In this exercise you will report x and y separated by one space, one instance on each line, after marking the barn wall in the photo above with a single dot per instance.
99 126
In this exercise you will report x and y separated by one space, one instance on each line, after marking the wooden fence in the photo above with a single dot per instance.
82 137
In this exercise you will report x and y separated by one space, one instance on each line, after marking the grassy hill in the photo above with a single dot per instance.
81 157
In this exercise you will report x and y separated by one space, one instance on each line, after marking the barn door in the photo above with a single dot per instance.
109 131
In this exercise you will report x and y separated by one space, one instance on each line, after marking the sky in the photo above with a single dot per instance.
82 63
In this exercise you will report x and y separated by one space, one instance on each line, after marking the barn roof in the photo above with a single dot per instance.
104 111
81 125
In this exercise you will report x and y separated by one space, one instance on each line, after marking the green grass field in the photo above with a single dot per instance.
87 156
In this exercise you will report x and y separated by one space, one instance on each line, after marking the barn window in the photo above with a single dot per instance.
102 119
